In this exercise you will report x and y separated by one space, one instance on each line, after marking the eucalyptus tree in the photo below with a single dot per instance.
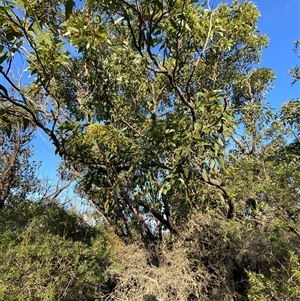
140 99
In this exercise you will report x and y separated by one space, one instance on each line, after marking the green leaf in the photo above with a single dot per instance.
119 20
204 174
20 4
173 23
106 208
48 40
117 189
187 27
69 8
197 137
220 142
206 130
25 123
181 181
212 163
3 58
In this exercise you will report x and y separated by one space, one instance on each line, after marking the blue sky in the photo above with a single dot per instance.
280 21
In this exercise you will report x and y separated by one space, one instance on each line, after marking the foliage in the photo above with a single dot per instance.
274 287
17 173
48 253
295 72
157 109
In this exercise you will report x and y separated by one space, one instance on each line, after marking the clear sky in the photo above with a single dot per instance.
280 21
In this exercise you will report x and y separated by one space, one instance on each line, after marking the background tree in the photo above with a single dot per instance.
48 253
17 173
281 279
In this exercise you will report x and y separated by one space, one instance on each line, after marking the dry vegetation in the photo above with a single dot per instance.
173 278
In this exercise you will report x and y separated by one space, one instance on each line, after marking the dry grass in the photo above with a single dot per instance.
173 279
